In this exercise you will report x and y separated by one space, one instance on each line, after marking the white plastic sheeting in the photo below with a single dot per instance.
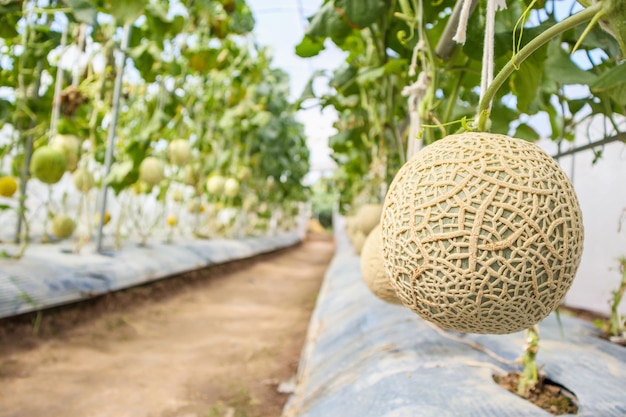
366 358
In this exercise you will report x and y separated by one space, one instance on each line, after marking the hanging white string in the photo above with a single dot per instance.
488 51
415 93
461 32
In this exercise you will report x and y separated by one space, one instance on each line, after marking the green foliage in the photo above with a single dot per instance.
191 73
615 326
323 199
366 90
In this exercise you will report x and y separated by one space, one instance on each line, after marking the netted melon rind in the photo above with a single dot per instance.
151 171
357 238
367 217
482 233
373 270
63 226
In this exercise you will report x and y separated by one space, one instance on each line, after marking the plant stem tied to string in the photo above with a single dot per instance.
545 37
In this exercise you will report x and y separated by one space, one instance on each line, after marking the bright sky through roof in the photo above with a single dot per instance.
280 24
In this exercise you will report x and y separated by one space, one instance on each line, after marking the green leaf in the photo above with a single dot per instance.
327 22
369 75
362 13
340 142
577 105
309 47
501 117
83 11
396 66
525 81
308 92
8 24
125 11
618 93
561 69
610 78
202 60
596 38
121 176
526 132
10 6
5 111
261 118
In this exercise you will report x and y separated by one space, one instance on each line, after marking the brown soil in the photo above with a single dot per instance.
211 343
547 395
582 314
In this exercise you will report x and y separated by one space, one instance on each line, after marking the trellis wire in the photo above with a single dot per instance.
621 137
111 135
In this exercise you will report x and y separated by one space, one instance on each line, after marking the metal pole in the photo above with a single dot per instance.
58 88
117 91
25 171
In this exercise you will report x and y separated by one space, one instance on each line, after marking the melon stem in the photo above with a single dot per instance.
529 377
515 61
617 321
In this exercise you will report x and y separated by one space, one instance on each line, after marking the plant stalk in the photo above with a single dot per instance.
513 64
529 377
617 321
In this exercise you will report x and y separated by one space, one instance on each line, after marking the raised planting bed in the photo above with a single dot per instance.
50 274
364 357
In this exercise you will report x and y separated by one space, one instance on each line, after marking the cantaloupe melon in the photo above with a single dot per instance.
70 146
63 226
48 164
373 269
8 185
358 239
179 152
367 217
482 233
151 171
83 180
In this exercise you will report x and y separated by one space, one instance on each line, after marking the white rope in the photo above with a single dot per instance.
488 51
461 31
415 93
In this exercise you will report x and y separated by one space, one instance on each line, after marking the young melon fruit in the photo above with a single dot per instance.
83 180
107 218
191 174
178 196
151 171
48 164
8 186
215 184
231 187
179 152
172 220
63 226
481 233
244 173
373 269
70 146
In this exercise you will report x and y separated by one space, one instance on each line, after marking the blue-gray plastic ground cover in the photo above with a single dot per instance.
50 275
366 358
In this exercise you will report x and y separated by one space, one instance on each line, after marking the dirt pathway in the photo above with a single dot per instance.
219 347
